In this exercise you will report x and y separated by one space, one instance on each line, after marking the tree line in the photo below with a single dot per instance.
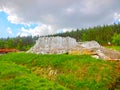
20 43
101 34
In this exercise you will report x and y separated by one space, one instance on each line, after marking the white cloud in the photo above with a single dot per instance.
70 10
119 20
54 12
9 31
37 31
59 14
116 15
64 30
41 30
67 29
116 18
13 19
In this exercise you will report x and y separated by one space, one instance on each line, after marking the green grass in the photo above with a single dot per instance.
114 48
25 71
15 77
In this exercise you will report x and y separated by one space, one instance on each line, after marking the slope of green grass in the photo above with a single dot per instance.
114 48
15 77
55 72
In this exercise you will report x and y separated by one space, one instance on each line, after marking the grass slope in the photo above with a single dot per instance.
24 71
14 77
114 48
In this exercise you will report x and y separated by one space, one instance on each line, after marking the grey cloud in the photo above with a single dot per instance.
64 13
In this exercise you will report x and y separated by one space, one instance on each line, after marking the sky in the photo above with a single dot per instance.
43 17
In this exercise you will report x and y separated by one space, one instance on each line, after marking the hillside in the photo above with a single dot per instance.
24 71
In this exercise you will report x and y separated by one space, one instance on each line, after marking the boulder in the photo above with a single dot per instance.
60 45
53 45
112 54
90 44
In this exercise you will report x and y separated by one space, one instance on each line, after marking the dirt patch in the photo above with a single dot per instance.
48 72
116 85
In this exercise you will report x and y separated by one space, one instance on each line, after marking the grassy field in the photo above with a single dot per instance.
24 71
114 48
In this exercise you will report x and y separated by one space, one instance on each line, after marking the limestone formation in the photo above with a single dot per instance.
60 45
90 44
111 54
53 45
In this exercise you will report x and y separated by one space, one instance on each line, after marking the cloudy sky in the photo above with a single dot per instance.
42 17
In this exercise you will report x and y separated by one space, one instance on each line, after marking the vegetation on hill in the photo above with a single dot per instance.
20 43
15 77
117 48
116 39
102 34
25 71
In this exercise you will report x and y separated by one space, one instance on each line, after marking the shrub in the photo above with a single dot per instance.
116 39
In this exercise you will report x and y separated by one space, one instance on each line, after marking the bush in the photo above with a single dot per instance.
116 39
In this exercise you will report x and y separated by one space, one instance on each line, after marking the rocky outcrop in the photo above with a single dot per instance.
53 45
111 54
60 45
90 44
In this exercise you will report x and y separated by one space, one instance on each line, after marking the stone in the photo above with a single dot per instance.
112 54
60 45
90 44
53 45
82 51
95 56
101 55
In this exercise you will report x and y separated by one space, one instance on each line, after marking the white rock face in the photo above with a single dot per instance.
90 45
53 45
60 45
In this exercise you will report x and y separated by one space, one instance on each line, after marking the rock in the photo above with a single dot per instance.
95 56
60 45
112 54
101 55
53 45
90 44
107 54
82 51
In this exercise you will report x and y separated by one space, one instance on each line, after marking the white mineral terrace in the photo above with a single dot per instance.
60 45
52 45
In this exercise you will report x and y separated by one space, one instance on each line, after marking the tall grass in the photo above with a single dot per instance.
15 77
70 71
114 48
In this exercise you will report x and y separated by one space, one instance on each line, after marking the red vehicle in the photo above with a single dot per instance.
8 50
